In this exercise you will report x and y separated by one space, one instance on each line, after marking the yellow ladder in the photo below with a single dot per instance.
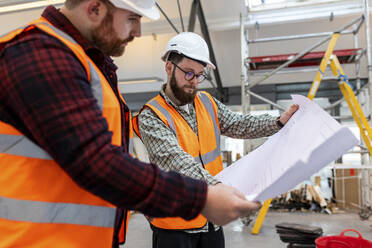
330 59
261 216
323 66
346 91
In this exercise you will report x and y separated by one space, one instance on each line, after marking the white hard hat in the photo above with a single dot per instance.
191 45
141 7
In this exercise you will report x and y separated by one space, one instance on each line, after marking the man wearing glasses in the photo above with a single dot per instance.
181 130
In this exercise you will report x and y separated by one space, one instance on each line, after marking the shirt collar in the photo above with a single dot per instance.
169 101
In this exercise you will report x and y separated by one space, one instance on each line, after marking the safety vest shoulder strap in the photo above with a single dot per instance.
209 103
166 116
156 105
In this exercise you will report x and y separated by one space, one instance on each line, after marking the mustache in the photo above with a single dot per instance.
127 40
189 86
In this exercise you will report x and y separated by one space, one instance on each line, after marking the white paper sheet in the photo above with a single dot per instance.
310 140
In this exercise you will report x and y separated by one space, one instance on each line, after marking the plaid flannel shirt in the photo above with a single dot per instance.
45 94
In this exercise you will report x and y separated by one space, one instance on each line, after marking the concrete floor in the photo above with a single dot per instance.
238 236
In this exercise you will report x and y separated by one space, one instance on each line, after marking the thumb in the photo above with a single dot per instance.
248 206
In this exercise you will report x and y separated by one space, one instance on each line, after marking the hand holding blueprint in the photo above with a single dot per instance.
310 140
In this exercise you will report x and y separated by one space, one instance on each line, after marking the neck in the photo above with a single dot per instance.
169 93
77 18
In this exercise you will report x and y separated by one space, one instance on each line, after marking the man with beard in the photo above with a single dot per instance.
181 130
65 135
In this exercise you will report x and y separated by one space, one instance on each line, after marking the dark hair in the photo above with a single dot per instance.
177 58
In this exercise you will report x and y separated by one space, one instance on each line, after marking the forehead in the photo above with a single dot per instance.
191 64
126 13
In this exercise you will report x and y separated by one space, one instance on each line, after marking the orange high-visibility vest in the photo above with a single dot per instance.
40 205
204 147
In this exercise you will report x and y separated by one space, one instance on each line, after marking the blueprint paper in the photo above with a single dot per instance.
310 140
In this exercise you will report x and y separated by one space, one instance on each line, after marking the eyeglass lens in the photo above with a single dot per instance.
190 76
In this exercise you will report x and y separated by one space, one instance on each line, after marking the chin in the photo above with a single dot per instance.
118 53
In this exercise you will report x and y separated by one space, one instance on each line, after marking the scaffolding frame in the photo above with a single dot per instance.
246 84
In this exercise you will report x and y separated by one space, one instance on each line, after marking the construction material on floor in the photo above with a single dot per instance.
305 198
365 213
298 235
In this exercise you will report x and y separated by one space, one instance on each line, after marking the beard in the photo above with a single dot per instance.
106 38
179 93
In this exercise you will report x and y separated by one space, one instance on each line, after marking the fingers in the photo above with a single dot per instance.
225 204
293 108
288 113
250 206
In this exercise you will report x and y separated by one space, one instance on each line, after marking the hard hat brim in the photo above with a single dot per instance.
151 13
209 63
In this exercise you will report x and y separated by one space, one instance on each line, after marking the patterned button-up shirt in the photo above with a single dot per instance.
165 151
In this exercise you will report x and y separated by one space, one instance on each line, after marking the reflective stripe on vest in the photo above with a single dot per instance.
131 146
22 146
210 156
166 114
96 86
61 213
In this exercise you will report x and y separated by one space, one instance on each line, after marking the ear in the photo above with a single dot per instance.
169 68
96 11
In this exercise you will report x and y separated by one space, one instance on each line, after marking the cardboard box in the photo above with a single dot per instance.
348 188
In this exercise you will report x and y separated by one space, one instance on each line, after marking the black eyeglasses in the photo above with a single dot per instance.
189 75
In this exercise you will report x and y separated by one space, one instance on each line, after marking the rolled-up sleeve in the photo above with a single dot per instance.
237 125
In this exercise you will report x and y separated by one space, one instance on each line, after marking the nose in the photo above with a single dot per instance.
136 31
194 81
